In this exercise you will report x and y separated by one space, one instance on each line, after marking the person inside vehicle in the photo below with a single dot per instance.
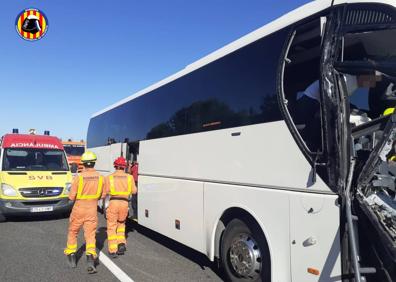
306 115
135 173
358 116
382 97
306 112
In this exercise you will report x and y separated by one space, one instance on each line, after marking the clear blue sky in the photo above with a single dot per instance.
98 52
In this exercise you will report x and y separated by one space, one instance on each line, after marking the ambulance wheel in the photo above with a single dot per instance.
2 217
244 252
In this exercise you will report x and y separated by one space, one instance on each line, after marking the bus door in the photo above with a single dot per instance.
132 158
309 99
315 113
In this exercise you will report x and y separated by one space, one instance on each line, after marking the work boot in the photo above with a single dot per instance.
113 255
91 264
121 249
71 259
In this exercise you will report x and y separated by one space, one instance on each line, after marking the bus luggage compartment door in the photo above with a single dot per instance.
165 206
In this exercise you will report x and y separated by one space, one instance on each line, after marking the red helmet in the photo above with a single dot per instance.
120 162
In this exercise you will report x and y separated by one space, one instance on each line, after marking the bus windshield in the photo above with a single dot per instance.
34 160
74 150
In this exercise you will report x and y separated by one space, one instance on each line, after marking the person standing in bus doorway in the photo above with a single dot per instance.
120 186
86 190
134 172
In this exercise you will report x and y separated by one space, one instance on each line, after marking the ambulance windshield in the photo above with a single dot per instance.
74 150
34 160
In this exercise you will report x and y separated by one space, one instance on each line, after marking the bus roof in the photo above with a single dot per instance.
31 141
284 21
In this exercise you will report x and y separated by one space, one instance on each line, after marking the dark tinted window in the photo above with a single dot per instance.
238 89
375 45
34 160
74 150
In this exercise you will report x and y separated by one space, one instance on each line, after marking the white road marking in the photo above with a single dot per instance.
121 275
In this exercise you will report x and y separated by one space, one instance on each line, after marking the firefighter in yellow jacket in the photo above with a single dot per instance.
120 186
86 189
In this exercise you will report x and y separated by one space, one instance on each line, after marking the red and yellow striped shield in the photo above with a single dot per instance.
31 24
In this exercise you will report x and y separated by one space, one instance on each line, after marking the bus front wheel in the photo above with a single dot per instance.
244 253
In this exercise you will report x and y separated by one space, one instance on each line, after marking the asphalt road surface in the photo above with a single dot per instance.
31 249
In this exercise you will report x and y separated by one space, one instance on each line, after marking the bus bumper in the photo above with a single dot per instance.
27 207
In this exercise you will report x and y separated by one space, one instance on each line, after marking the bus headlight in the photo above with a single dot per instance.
67 188
8 190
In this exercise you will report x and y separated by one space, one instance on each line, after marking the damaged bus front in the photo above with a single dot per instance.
344 123
359 93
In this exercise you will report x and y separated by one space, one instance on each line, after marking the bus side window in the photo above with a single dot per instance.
301 83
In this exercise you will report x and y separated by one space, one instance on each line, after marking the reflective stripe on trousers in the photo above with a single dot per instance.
90 249
84 215
70 249
117 213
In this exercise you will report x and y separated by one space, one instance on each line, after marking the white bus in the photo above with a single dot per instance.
239 160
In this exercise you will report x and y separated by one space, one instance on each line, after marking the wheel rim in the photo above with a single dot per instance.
245 256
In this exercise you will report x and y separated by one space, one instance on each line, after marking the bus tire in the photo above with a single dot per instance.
244 252
2 217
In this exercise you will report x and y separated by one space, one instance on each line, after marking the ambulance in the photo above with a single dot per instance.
74 151
34 175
